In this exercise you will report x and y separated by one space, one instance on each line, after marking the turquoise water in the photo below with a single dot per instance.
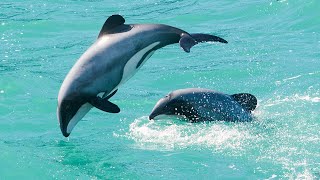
273 53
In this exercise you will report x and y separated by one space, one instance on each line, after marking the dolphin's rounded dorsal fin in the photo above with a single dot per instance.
246 100
111 23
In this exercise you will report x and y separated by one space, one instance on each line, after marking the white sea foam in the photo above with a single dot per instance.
216 136
292 98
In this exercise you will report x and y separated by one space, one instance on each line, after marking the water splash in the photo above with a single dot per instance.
170 134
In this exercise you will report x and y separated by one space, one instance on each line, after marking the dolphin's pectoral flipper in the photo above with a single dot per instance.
246 100
104 105
106 96
186 42
207 37
111 23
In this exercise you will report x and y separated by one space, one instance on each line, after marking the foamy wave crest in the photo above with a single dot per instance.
170 134
294 98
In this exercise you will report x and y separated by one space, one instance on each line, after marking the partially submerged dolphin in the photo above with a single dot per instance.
198 104
120 50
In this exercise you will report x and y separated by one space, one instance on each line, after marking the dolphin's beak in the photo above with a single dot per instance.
152 116
158 109
69 113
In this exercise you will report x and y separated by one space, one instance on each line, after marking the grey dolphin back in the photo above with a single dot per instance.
111 23
246 100
187 41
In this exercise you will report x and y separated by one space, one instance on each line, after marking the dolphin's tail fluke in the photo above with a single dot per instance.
208 38
187 41
246 100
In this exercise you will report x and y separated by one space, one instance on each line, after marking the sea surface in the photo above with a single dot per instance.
273 53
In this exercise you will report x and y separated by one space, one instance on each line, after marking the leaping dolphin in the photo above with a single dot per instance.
120 50
198 104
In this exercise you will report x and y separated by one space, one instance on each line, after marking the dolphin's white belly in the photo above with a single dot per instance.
131 67
83 110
